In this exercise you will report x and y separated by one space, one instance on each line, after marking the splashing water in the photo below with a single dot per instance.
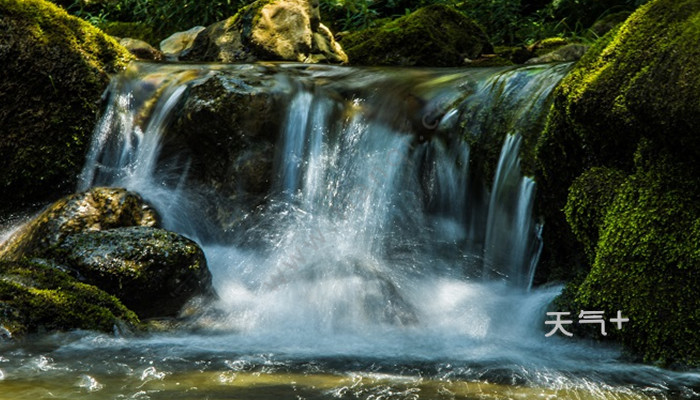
378 264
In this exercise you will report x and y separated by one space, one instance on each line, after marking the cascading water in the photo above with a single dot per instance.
376 250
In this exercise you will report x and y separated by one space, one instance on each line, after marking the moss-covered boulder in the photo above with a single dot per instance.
272 30
94 210
55 68
436 35
631 107
108 237
647 263
588 201
152 271
640 81
36 296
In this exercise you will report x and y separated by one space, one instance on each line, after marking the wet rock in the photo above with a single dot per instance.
436 36
608 22
179 43
232 165
284 30
141 49
94 210
570 52
55 68
107 237
632 104
152 271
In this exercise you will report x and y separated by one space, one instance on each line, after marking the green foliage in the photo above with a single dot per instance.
135 30
581 14
164 17
507 22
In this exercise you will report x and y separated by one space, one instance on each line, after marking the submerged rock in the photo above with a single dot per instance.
37 296
284 30
638 87
437 36
107 237
152 271
55 68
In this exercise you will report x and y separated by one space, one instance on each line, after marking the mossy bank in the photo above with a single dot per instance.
55 68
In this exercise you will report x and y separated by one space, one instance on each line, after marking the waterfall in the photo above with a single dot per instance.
372 199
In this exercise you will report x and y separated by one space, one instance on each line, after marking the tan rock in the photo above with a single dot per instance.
277 30
179 44
141 49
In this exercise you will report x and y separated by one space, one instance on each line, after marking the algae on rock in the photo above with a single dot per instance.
102 243
37 296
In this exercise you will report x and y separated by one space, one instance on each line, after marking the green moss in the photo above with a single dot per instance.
647 263
548 45
35 296
55 68
436 35
640 81
588 201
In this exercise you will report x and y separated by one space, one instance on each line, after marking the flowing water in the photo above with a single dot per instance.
379 262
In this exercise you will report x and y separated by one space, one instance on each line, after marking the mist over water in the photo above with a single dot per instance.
378 249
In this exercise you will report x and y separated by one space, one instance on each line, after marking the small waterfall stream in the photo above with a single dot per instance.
369 245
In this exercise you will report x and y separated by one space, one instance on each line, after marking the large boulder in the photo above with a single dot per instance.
55 68
152 271
631 107
108 237
37 296
647 262
640 81
272 30
436 35
232 165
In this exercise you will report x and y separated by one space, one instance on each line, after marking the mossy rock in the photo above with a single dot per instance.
55 68
640 81
152 271
36 296
436 35
647 263
588 201
108 237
